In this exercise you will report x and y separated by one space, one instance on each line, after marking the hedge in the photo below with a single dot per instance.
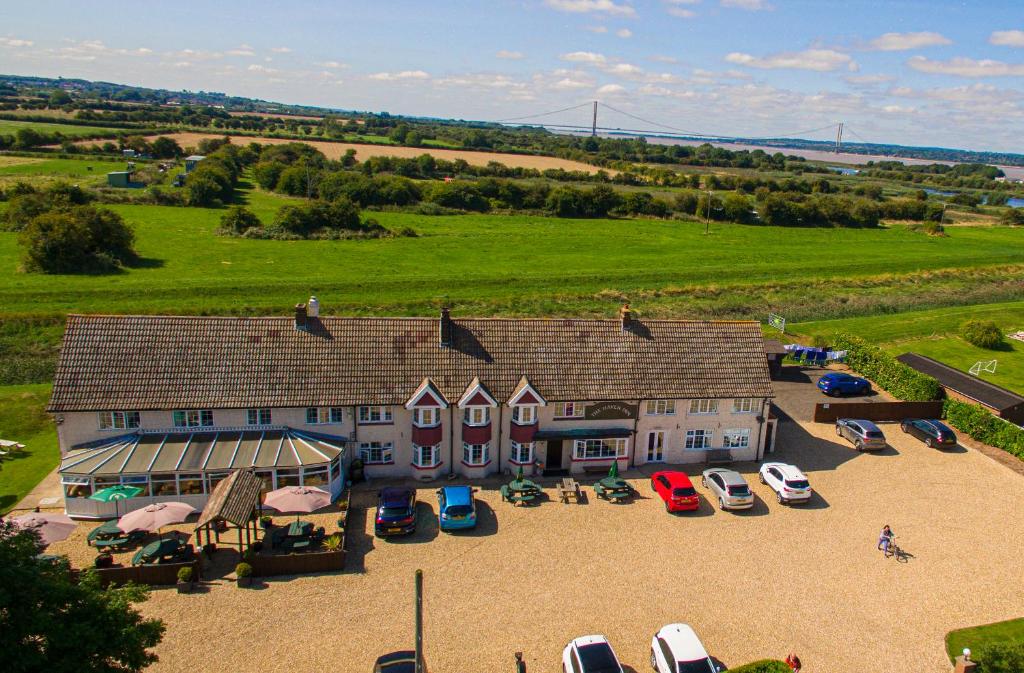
980 424
763 666
901 381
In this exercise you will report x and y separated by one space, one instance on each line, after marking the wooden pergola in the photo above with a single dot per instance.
234 502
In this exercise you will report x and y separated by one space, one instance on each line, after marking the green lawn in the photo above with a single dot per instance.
24 168
23 419
8 127
976 636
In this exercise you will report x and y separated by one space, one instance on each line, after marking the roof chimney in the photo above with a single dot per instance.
444 332
626 316
300 316
313 307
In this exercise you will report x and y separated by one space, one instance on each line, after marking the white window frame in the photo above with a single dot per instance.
567 410
746 405
385 450
524 414
661 408
736 438
477 416
600 449
476 455
704 435
259 417
192 418
375 415
419 417
314 416
703 407
418 452
336 415
522 453
118 420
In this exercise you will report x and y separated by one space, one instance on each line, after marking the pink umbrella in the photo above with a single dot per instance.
297 499
156 516
50 527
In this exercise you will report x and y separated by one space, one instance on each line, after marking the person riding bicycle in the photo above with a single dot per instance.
885 539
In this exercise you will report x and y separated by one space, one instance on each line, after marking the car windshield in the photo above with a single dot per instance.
874 434
683 491
459 510
797 483
698 666
598 658
741 489
392 512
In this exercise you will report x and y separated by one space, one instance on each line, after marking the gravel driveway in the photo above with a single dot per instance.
758 584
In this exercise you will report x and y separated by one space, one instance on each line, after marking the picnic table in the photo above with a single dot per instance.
568 488
519 492
299 529
106 531
157 551
613 488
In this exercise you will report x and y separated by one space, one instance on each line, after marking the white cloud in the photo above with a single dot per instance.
570 83
280 50
664 59
587 6
966 67
611 90
404 74
877 78
624 70
255 67
898 109
750 5
509 55
624 33
15 42
332 64
906 41
681 12
596 29
1005 38
241 50
820 60
584 57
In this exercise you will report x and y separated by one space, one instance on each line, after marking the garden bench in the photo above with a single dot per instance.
718 456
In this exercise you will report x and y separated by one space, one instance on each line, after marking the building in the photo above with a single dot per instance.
294 397
121 179
192 161
1004 403
776 353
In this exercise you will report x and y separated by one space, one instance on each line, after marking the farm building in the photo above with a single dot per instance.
192 161
1002 402
173 404
122 179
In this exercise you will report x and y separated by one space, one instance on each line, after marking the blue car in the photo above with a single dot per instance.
837 383
456 508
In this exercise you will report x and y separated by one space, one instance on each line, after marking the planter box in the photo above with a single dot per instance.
165 574
298 564
185 587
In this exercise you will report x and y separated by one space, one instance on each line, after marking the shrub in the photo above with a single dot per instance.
79 240
237 220
763 666
185 574
980 424
243 570
982 333
901 381
1005 657
332 542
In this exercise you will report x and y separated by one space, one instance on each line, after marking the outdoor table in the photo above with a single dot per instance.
300 529
154 551
107 531
524 486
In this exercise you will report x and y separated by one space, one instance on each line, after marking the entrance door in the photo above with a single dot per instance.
554 455
656 446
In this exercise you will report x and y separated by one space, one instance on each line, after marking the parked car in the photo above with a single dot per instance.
864 435
396 662
676 490
729 487
396 512
932 433
788 482
456 508
838 383
590 654
677 649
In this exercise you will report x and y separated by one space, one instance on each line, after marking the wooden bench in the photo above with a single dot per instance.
718 456
569 488
596 469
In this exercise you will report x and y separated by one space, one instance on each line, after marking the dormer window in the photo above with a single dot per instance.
477 415
524 414
426 417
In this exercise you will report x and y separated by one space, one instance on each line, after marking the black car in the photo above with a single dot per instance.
396 662
396 512
932 433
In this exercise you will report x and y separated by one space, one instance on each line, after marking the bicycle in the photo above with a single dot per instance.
894 549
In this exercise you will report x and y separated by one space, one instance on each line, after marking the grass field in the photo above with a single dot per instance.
976 636
95 170
23 418
9 127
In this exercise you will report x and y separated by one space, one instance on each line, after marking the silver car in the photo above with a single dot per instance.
864 435
730 488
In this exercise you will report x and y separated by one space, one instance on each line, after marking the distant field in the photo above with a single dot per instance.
8 127
337 150
13 169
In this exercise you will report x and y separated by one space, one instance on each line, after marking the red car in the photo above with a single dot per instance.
676 490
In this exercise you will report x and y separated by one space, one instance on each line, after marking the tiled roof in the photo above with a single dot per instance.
235 499
165 362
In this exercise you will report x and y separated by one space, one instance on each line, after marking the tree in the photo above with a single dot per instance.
166 148
1000 657
50 623
82 239
59 97
982 333
238 220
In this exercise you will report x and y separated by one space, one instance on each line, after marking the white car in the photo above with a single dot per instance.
590 654
677 649
788 482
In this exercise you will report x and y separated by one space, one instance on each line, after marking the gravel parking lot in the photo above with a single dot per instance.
756 584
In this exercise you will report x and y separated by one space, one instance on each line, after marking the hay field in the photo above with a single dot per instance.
337 150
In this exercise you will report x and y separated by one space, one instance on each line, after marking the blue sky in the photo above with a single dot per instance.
912 72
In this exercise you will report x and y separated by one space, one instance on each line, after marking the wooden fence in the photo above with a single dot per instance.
266 565
152 574
828 412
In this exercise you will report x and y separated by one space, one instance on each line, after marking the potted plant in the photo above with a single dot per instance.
185 582
104 560
333 542
243 571
267 522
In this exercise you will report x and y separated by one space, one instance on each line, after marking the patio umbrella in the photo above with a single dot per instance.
613 473
519 474
297 499
50 527
156 516
115 493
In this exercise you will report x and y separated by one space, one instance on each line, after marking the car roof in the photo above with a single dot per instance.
862 422
731 477
588 640
683 642
458 495
674 478
788 471
394 495
938 425
837 375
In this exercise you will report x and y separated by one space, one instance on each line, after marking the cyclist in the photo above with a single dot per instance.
885 538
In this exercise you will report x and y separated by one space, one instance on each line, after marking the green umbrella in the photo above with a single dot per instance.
613 473
119 492
519 474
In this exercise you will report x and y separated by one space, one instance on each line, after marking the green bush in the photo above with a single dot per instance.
243 570
898 379
763 666
980 424
185 574
1007 657
982 333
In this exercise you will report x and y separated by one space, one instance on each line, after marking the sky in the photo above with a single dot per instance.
912 72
